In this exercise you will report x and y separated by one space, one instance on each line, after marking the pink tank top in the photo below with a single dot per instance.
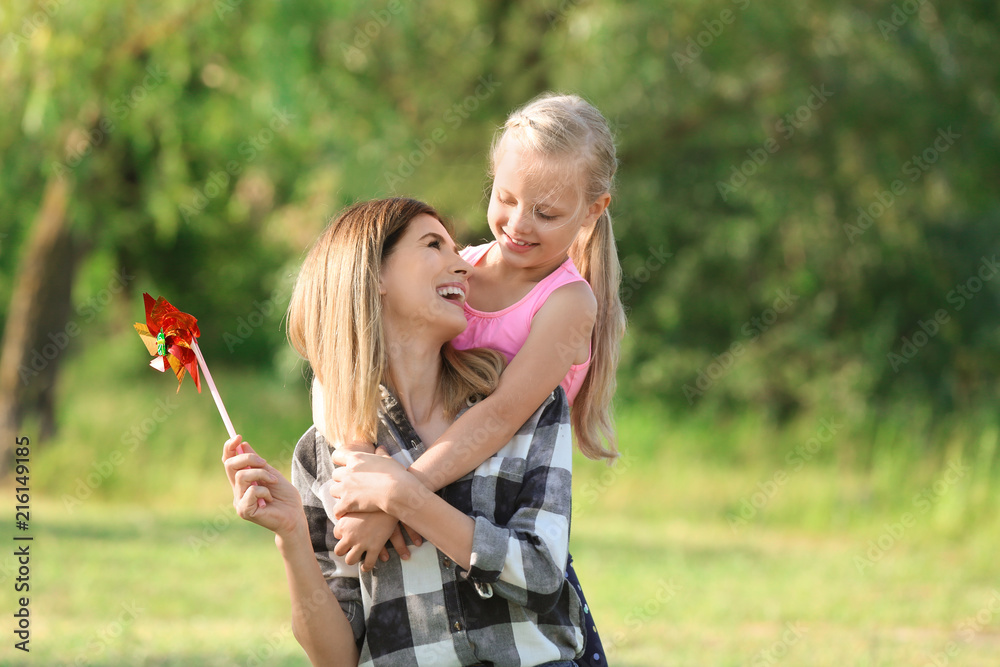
507 329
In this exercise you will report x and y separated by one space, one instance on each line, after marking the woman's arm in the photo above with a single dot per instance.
318 621
524 558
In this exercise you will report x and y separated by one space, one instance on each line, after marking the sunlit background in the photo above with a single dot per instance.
807 216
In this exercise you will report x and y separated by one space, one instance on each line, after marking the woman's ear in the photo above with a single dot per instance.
597 208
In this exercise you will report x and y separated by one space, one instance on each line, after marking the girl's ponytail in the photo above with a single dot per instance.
596 257
561 126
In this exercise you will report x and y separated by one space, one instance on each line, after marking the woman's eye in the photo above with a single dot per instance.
544 216
434 244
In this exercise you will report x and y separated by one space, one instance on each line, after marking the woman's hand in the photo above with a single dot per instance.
283 513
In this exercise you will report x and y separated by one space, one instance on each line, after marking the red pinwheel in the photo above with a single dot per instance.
169 335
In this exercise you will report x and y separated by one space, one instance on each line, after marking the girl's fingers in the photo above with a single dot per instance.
341 549
345 457
337 512
354 556
399 543
415 537
371 558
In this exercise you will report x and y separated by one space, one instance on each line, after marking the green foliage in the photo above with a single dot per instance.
209 143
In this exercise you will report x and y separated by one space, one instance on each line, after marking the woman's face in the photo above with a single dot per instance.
423 283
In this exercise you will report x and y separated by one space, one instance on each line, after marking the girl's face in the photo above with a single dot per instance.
537 208
423 282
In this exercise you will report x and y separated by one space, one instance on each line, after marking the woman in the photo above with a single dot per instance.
377 300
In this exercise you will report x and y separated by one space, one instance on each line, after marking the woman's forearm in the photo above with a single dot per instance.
318 622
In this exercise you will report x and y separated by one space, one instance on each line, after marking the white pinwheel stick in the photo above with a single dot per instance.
218 401
214 390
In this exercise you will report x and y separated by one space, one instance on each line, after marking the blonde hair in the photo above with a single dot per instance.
567 126
335 321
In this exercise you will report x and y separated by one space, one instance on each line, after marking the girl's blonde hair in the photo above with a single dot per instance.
335 321
568 128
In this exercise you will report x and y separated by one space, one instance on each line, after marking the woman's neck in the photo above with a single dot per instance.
415 376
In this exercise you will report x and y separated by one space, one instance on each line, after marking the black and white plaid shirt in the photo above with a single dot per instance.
514 606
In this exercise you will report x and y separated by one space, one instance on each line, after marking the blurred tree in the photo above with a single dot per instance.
802 189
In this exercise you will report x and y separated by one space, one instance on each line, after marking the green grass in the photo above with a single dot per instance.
669 581
672 582
139 559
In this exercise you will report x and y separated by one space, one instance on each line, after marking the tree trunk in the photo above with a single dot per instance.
38 328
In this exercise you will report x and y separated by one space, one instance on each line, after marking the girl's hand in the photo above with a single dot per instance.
367 482
283 513
363 536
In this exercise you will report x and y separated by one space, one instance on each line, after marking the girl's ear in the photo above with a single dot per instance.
597 208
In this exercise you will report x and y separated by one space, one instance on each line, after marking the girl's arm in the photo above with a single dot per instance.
523 558
560 333
319 623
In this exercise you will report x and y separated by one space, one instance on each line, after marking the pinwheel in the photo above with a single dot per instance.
171 337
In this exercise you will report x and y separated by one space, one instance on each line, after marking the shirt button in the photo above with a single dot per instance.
458 625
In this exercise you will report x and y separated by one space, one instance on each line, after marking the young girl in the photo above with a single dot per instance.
545 294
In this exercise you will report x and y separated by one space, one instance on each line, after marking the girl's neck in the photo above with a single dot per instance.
496 285
515 275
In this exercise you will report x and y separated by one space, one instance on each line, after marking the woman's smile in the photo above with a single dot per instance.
453 292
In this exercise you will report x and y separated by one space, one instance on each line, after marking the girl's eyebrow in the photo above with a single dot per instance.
547 206
536 205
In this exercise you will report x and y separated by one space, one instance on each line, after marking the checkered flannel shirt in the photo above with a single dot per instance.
514 606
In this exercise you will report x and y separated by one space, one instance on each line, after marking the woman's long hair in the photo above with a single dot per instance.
335 321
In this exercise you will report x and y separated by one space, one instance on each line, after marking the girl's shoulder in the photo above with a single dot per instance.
566 282
474 253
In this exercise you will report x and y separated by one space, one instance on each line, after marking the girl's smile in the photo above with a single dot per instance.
536 209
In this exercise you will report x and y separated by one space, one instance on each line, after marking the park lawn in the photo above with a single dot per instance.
714 541
670 580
